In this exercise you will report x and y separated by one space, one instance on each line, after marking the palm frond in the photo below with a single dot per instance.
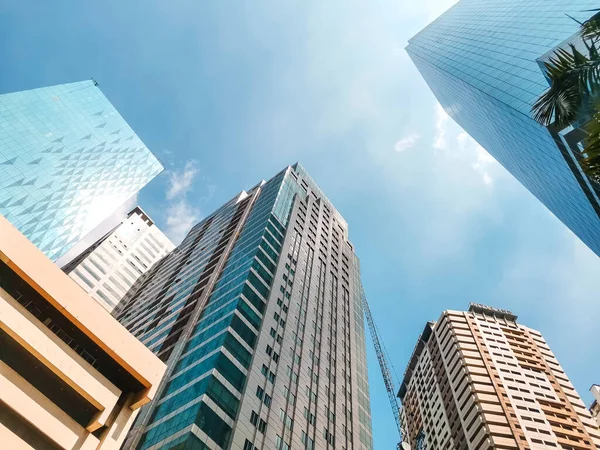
562 101
587 68
591 160
591 28
588 75
561 63
557 105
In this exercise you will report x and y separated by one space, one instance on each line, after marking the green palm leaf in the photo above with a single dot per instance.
574 93
591 152
591 28
562 101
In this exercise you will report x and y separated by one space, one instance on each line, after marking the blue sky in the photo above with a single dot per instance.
229 92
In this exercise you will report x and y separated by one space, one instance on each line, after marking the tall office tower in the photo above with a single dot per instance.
109 267
68 160
71 377
595 407
258 316
479 380
483 61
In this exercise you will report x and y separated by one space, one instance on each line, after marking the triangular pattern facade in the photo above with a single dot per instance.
67 173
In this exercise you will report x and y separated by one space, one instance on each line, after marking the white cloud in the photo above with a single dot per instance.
181 216
448 136
441 128
406 142
180 182
459 177
482 161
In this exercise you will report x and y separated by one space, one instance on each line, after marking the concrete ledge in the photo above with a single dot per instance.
63 293
28 402
57 356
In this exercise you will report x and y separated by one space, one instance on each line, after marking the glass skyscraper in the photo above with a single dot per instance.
482 60
258 316
68 160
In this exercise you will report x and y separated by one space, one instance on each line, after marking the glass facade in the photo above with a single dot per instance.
481 59
258 316
68 160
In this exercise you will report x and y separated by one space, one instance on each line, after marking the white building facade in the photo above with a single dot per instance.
595 408
108 268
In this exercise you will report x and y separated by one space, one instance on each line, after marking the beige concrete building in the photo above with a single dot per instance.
477 380
71 377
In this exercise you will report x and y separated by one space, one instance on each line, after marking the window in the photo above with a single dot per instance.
329 437
264 370
262 426
280 445
260 392
253 418
309 416
330 415
267 400
309 444
271 377
248 445
269 350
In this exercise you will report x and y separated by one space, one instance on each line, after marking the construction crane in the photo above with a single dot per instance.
385 369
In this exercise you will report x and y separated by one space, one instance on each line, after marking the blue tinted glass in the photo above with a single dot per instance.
481 60
67 161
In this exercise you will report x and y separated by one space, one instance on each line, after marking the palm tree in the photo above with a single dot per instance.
574 93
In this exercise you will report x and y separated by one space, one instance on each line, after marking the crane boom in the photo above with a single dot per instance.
383 364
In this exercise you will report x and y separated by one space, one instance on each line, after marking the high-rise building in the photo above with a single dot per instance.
258 316
595 408
108 268
68 160
479 380
71 377
483 61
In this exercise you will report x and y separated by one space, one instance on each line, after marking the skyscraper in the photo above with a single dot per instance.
109 267
482 60
479 380
258 316
595 406
67 161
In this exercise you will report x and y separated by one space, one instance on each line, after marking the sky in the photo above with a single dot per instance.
227 93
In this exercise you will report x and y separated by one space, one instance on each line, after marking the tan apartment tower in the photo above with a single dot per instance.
71 377
478 380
